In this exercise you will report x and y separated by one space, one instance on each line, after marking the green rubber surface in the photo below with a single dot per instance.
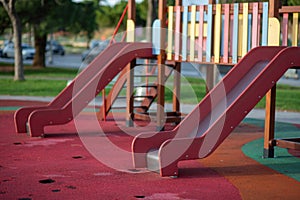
283 162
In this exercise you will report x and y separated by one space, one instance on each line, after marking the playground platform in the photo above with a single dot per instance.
59 166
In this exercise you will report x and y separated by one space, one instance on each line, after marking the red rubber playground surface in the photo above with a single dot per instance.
60 166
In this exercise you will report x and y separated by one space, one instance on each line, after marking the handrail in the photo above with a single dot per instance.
112 40
118 25
289 9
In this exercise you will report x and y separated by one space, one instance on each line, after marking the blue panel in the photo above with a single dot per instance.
185 33
209 33
194 2
197 16
235 34
222 35
264 39
156 37
249 32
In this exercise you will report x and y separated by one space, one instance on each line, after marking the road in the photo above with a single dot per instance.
73 61
68 61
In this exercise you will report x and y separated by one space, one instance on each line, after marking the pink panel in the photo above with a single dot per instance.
226 33
255 25
230 34
177 32
284 29
200 40
258 27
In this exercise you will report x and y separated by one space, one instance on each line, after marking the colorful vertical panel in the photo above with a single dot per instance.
259 32
130 31
245 29
274 32
177 32
209 32
200 37
284 29
295 29
226 33
156 37
255 29
264 37
170 33
217 34
249 32
235 33
192 33
184 33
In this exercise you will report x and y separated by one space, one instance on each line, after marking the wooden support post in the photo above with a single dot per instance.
210 69
211 76
270 99
177 78
129 94
131 15
161 68
274 6
269 123
176 89
160 94
103 105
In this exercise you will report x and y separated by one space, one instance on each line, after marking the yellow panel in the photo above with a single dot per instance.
170 33
217 33
245 29
273 32
240 39
130 31
197 30
192 31
295 30
204 29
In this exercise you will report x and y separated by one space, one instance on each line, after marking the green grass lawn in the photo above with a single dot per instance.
42 73
51 81
31 87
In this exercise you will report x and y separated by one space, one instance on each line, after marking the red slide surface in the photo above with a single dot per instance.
215 117
83 89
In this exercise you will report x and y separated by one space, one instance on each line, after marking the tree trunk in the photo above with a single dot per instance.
149 20
40 41
17 37
151 14
19 68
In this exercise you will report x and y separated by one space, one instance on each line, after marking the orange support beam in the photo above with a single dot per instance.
177 78
161 58
270 100
131 15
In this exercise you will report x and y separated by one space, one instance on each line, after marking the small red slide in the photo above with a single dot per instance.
215 117
82 90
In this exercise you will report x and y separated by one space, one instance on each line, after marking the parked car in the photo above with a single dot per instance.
94 43
28 51
56 47
89 55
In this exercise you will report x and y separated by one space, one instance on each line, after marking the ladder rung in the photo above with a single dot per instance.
145 75
124 107
149 85
121 97
143 96
142 107
118 108
149 64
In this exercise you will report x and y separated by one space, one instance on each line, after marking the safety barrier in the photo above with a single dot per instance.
224 33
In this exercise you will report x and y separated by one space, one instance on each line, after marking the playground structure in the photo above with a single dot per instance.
212 34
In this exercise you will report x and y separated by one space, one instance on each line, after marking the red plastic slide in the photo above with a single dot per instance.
215 117
83 89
